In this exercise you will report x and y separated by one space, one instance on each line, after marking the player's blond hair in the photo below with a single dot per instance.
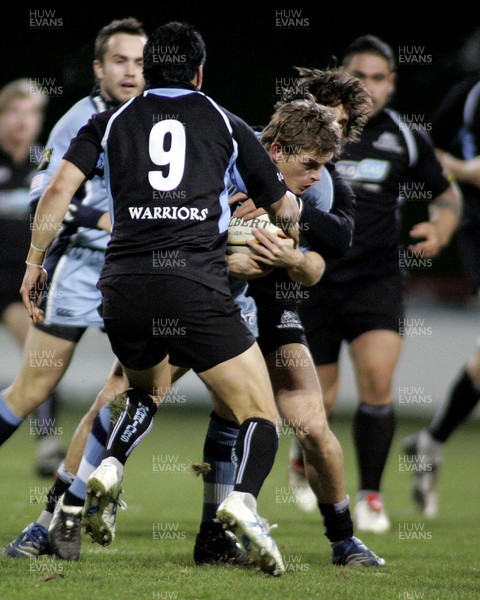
22 88
303 127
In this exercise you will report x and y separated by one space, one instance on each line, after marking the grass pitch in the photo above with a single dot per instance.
151 556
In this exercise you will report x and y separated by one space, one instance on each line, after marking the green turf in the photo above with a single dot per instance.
152 555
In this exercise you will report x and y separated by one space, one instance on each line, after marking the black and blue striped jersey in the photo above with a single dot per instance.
390 159
168 156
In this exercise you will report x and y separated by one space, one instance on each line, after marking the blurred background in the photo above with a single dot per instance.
250 56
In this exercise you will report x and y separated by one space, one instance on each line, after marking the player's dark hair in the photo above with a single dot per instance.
370 44
303 127
129 25
331 88
173 54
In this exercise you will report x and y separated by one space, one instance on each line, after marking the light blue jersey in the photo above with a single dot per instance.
73 297
320 196
95 190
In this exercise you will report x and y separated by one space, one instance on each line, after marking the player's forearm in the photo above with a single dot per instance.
308 268
52 207
445 224
285 213
48 216
445 214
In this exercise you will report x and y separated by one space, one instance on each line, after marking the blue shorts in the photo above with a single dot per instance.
72 296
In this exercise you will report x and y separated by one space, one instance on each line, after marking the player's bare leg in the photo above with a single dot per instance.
38 377
44 362
16 321
328 375
48 451
375 355
299 399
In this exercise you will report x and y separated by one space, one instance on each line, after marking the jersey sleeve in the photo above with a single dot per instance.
261 179
60 137
85 150
428 169
330 233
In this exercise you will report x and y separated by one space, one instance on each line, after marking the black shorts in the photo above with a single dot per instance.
148 317
278 325
344 312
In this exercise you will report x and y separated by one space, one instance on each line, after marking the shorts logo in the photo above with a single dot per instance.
289 320
64 312
250 319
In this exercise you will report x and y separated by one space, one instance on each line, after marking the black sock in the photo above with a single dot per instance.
133 424
58 488
337 521
71 500
462 400
255 452
9 422
373 429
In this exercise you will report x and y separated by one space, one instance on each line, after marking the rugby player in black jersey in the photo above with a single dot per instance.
361 297
174 138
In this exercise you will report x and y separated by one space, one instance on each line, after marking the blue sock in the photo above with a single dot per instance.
92 457
217 451
9 422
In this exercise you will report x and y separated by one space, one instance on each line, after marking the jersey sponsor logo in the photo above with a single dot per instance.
368 169
289 320
174 213
390 142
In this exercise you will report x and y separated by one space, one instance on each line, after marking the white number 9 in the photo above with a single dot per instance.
163 133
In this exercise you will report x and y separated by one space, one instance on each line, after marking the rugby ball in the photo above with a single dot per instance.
240 231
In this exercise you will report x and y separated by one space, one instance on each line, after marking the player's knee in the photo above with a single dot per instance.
256 413
25 399
376 387
314 437
329 399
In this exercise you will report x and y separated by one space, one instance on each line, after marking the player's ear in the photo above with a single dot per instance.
392 78
276 151
98 69
198 77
